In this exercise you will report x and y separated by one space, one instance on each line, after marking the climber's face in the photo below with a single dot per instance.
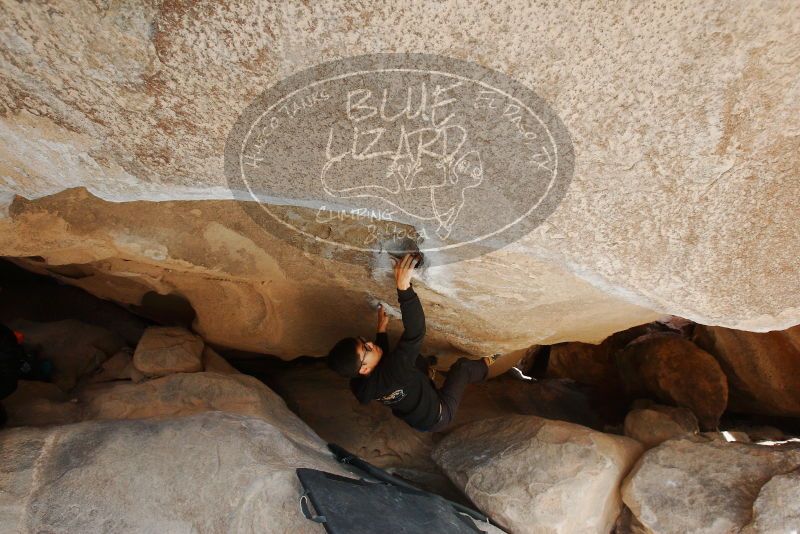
369 354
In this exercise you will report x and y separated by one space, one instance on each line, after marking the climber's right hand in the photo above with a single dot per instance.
403 269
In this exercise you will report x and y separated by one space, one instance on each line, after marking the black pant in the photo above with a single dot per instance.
463 372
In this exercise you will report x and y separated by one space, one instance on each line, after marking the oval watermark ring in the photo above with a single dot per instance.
397 152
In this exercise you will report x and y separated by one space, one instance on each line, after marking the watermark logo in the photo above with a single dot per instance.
399 152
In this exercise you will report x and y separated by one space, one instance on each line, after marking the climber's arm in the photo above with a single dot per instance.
411 309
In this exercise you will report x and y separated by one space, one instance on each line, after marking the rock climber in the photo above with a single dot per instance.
396 378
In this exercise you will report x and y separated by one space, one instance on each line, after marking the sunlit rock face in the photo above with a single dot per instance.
777 507
701 485
247 466
537 475
682 121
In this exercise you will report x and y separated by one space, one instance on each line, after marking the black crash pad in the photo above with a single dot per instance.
354 506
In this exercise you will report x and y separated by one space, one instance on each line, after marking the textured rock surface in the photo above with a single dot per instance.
26 296
702 486
40 403
255 293
75 348
682 116
628 524
762 432
117 367
166 350
593 364
213 472
676 371
763 369
777 508
727 436
559 399
182 394
655 424
179 394
536 475
214 363
584 363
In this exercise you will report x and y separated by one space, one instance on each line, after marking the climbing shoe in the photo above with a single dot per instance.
491 359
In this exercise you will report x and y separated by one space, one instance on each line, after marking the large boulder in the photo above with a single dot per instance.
213 472
117 367
654 424
164 350
37 403
135 102
702 485
535 475
74 347
584 363
674 370
183 394
593 365
777 508
213 362
763 369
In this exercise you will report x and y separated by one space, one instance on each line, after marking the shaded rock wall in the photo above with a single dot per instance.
763 369
683 119
708 369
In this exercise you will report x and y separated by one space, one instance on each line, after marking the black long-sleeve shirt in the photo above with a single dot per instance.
396 381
